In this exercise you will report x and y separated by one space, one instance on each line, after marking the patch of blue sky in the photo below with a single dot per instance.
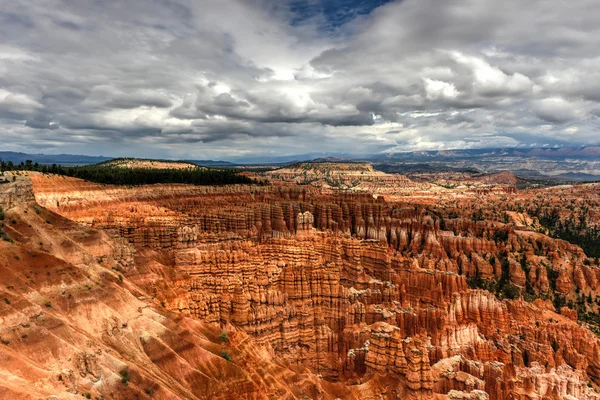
331 14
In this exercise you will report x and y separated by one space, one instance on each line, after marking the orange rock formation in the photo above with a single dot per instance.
323 294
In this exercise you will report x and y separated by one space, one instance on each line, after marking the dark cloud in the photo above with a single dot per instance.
41 121
109 97
218 79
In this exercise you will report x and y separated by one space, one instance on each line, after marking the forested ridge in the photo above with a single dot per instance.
100 173
574 229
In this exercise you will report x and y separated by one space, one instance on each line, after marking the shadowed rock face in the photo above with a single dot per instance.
323 295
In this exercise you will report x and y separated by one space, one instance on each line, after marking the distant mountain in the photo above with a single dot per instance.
551 153
211 163
291 159
588 153
576 164
432 160
579 177
48 159
75 159
331 159
408 168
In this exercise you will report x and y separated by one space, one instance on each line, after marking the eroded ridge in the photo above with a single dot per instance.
355 287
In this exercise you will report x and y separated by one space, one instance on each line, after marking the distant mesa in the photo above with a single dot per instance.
49 159
354 176
132 163
499 178
561 152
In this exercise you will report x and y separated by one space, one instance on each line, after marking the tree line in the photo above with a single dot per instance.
573 229
136 176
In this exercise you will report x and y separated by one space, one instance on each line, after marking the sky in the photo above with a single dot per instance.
225 79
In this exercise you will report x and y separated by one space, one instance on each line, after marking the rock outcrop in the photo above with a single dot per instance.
356 294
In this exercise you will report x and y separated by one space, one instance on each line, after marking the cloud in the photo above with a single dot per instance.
491 81
231 78
556 110
17 105
108 97
439 89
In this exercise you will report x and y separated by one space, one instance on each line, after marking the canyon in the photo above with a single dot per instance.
331 281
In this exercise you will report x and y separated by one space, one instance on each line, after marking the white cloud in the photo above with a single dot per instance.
556 110
490 80
436 90
214 79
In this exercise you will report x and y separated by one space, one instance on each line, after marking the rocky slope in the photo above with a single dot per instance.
345 176
73 324
347 294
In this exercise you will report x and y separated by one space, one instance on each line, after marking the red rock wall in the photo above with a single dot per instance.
354 287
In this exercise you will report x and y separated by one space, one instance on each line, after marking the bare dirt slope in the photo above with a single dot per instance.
73 323
438 296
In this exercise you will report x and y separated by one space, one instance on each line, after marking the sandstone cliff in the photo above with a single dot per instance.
351 288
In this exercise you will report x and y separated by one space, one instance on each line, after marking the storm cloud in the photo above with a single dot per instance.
226 79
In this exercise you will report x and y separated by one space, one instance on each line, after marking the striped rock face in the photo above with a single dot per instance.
292 291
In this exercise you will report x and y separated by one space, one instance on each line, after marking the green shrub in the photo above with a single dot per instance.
510 291
124 376
559 301
225 355
223 337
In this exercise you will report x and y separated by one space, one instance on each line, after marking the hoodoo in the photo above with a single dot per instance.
347 295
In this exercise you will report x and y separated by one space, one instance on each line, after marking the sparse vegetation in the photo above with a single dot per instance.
124 376
574 228
4 235
223 337
225 355
510 291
